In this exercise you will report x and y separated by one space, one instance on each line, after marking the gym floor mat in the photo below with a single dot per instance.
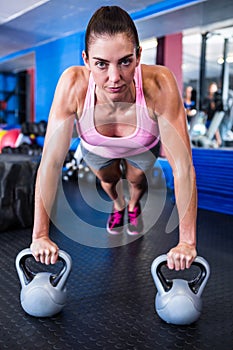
111 293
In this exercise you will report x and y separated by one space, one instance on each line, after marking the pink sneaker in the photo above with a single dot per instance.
115 222
135 224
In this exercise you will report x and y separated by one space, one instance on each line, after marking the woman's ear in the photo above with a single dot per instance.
85 59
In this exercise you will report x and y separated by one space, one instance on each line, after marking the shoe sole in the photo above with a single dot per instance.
134 233
114 233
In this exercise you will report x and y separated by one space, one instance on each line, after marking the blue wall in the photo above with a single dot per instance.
214 168
51 60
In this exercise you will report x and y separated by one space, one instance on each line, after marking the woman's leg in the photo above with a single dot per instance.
111 181
137 185
110 178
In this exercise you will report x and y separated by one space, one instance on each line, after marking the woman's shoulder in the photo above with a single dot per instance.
76 75
73 84
159 86
158 80
156 73
72 87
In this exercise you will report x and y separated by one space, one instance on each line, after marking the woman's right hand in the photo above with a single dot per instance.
44 250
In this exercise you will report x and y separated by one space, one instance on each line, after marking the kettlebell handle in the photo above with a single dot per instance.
162 284
196 285
59 279
26 275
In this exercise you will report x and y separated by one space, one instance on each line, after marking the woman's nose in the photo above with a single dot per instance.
114 74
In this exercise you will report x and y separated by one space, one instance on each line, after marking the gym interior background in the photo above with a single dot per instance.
110 290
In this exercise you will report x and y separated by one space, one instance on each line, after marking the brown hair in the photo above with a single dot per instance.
111 20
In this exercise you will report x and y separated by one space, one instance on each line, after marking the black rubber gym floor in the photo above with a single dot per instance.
111 292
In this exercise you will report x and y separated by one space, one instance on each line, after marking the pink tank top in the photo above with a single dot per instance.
145 136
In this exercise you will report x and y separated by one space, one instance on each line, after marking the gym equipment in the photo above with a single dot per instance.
43 294
37 129
23 149
75 167
178 301
70 168
17 179
2 133
206 140
10 138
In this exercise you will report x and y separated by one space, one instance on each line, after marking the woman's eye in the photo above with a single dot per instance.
125 62
101 65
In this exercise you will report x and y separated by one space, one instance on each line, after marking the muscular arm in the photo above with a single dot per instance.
176 144
56 146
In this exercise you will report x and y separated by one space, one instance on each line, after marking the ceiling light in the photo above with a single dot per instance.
229 59
220 60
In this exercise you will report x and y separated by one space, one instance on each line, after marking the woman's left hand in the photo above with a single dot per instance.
181 256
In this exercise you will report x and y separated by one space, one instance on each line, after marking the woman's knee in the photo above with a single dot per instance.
110 174
135 176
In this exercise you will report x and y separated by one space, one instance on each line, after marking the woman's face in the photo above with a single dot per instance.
112 61
213 88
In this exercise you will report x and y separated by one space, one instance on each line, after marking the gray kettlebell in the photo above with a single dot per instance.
43 294
178 301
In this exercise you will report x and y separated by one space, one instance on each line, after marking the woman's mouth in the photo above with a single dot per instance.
114 89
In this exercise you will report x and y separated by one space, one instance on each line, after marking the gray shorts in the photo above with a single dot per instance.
144 161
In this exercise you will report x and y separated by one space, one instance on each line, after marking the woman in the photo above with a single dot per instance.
122 110
212 103
190 102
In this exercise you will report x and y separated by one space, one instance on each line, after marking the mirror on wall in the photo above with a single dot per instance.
208 85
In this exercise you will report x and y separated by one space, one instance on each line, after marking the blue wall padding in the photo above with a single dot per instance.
214 172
